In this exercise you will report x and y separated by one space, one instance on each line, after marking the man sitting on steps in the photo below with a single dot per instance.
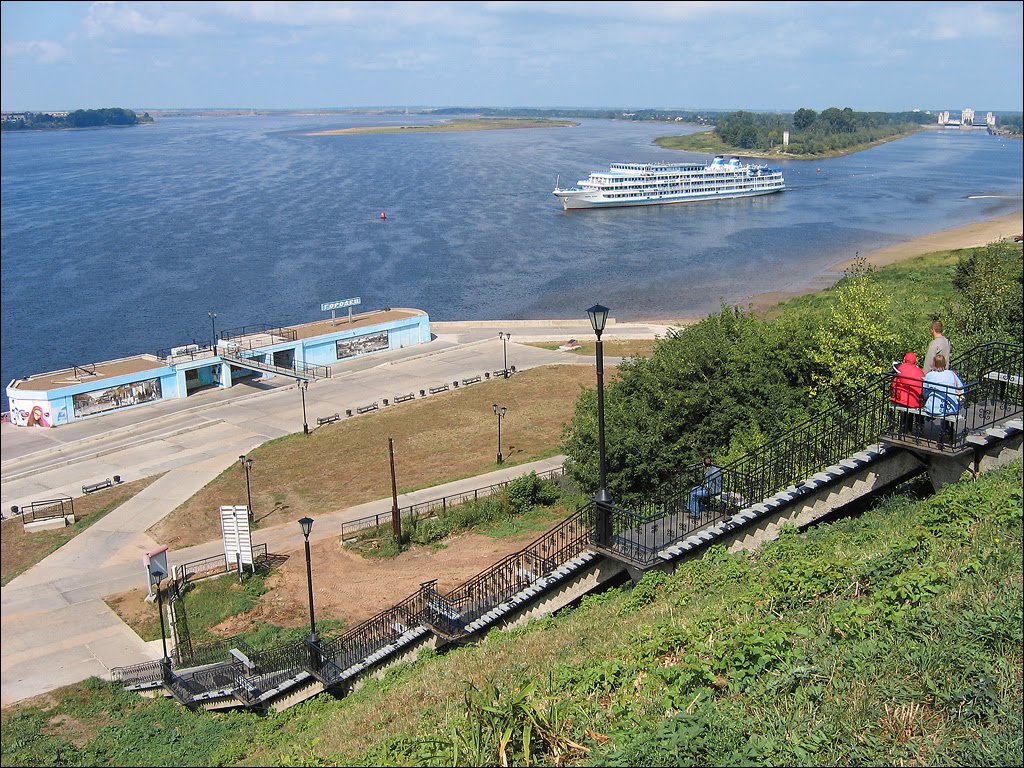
711 486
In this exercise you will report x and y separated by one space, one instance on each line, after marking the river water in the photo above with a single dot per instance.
121 241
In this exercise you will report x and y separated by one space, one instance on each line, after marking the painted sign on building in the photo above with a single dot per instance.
360 345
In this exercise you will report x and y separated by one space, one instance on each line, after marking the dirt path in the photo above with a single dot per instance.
348 586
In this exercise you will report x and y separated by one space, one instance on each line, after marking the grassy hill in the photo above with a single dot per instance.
891 637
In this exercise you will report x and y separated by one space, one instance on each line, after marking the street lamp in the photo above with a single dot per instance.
500 413
213 326
303 383
156 576
306 524
504 336
247 465
598 317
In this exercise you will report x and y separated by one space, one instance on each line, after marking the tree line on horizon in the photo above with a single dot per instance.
80 118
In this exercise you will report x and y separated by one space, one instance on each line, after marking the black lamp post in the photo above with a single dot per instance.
500 413
247 465
598 317
213 326
303 383
504 336
306 524
156 576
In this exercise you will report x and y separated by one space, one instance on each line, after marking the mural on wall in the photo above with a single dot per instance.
360 345
121 396
36 413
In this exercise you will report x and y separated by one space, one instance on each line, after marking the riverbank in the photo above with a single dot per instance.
968 236
485 124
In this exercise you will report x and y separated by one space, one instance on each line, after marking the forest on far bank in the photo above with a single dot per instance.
80 118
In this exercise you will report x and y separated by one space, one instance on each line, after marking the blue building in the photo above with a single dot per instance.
301 352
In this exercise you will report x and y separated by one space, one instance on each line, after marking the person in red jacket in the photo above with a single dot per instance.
906 387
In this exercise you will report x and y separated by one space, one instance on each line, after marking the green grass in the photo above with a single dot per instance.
890 638
21 549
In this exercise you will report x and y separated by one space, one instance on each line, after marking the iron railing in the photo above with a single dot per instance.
215 565
942 418
633 535
47 508
289 334
298 368
413 513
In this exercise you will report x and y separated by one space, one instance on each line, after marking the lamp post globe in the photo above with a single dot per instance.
306 524
504 336
500 414
156 576
598 318
246 463
302 384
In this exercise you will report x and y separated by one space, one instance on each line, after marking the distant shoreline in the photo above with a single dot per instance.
973 235
484 124
976 234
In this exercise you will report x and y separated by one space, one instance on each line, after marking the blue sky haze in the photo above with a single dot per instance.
884 56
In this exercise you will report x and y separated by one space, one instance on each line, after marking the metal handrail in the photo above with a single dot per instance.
635 535
248 330
424 509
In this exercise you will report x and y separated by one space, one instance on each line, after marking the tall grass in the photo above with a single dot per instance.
889 638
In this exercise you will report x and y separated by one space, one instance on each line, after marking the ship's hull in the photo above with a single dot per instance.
577 199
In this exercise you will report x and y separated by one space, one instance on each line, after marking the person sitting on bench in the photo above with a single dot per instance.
943 391
711 486
906 388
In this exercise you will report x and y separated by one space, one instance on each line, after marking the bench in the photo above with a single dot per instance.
403 398
367 408
108 483
243 659
443 609
1002 379
503 373
471 380
916 422
442 388
321 420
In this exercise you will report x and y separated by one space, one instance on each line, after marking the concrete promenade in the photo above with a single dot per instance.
55 628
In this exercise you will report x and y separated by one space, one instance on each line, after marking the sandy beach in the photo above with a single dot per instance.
968 236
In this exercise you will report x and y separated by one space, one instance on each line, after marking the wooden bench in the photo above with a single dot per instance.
367 408
471 380
403 398
442 388
321 420
108 483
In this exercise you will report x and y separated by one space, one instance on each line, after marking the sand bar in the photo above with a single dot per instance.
968 236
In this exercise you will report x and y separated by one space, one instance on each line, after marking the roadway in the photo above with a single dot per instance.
56 628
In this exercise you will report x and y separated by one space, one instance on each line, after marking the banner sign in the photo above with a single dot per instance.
340 304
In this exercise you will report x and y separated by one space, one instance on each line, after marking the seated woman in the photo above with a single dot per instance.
906 389
942 390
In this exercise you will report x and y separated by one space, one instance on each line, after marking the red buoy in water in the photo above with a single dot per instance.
383 216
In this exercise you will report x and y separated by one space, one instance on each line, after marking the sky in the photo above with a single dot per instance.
775 56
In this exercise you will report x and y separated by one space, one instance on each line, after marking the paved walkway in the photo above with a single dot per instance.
56 629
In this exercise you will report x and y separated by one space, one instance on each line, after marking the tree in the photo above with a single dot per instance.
703 388
858 341
990 284
804 118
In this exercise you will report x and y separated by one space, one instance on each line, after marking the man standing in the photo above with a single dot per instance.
938 346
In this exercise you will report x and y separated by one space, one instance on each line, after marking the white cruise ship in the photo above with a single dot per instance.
658 183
